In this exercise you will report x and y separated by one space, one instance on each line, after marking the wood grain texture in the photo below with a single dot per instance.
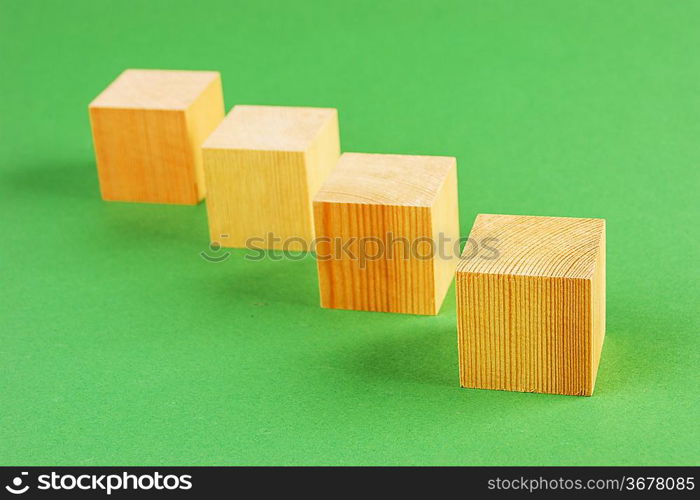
147 128
387 211
533 318
262 166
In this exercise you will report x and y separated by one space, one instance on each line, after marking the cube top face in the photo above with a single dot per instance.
270 128
556 247
155 89
384 179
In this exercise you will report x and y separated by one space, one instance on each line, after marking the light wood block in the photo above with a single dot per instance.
147 128
263 165
531 318
378 207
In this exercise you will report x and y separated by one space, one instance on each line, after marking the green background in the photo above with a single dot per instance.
119 344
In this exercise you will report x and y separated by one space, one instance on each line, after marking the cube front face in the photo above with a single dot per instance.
522 333
262 166
532 319
258 199
143 156
378 222
147 139
373 258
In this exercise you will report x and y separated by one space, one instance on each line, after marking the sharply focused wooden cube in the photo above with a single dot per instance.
263 165
531 304
387 233
148 126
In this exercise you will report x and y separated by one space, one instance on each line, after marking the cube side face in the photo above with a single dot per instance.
144 156
444 216
203 116
375 257
322 156
524 333
258 199
598 310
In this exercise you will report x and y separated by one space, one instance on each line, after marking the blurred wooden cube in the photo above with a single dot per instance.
147 127
263 165
387 233
531 304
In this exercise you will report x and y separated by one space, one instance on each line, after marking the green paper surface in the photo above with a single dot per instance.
120 344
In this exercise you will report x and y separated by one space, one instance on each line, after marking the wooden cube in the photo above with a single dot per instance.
387 233
531 304
263 165
147 127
